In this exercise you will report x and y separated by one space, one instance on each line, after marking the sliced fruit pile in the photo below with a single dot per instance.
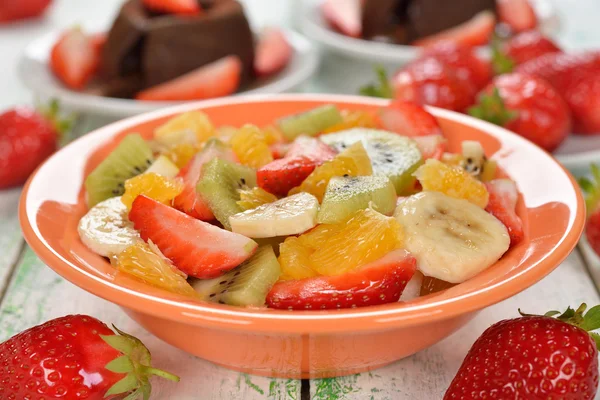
323 209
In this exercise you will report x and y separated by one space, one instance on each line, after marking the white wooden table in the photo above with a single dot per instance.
31 293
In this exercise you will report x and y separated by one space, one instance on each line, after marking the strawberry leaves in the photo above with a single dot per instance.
135 363
591 187
491 108
382 88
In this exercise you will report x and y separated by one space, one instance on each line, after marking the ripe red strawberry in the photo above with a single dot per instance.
526 105
273 52
379 282
183 7
75 357
14 10
279 150
27 138
74 58
428 81
344 15
582 94
533 357
592 201
464 60
502 204
528 45
432 146
219 78
408 119
304 155
197 248
560 68
475 32
519 15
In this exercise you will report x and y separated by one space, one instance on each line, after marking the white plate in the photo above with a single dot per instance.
35 74
316 28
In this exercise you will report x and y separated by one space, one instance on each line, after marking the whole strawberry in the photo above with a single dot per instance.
526 105
533 357
27 137
14 10
75 357
521 48
591 189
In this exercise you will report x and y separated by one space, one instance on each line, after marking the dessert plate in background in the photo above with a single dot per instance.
35 73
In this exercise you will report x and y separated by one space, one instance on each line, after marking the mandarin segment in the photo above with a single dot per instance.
354 161
452 181
250 147
253 197
157 187
184 128
181 154
294 259
353 119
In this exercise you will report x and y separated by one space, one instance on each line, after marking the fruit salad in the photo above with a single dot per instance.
319 210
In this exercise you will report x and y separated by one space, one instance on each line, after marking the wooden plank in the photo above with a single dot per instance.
427 374
37 294
11 241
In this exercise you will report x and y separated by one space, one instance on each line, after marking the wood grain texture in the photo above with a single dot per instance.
11 241
427 374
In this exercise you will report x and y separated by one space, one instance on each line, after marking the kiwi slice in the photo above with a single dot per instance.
131 157
246 285
392 155
310 122
346 195
219 184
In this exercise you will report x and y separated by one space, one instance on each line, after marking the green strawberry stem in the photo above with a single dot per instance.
589 321
381 88
591 188
501 62
135 363
52 113
491 108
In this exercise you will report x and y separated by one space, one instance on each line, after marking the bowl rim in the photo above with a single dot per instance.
264 320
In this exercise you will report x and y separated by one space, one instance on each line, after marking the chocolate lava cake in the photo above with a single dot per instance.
403 21
144 49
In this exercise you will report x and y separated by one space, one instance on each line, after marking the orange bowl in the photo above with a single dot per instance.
304 344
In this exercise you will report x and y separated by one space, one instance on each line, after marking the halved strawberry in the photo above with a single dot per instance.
74 59
379 282
279 150
273 52
197 248
502 205
312 148
519 15
189 201
408 119
344 15
432 146
182 7
219 78
475 32
280 176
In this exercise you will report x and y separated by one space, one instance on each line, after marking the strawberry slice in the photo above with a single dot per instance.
344 15
189 201
519 15
432 146
219 78
379 282
279 150
273 52
181 7
408 119
74 58
197 248
502 205
302 157
475 32
98 41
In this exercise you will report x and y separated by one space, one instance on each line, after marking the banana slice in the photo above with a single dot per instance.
288 216
163 166
106 230
452 239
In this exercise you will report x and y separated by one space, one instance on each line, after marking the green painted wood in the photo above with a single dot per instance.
11 241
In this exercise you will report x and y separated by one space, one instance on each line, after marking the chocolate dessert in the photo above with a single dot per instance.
403 21
145 49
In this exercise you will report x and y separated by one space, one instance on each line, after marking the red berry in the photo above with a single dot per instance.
428 81
475 32
75 58
432 146
529 45
592 231
408 119
532 357
27 138
183 7
502 204
344 15
197 248
13 10
592 203
526 105
379 282
273 52
519 15
56 360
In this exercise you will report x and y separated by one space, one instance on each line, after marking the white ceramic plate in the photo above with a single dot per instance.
316 28
35 74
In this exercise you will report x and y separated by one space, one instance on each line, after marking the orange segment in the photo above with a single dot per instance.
254 197
196 123
250 147
353 119
452 181
294 260
181 154
152 185
354 161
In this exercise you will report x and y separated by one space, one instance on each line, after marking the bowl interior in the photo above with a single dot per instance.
549 204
